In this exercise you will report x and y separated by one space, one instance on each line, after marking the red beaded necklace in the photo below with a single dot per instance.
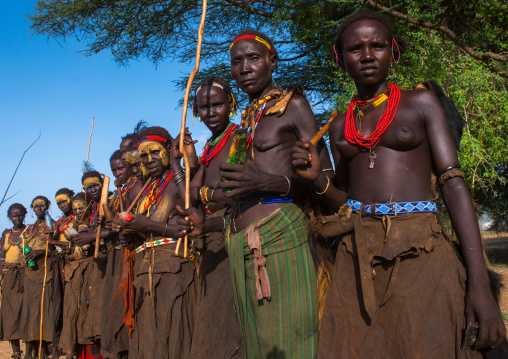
65 225
222 139
125 190
372 140
154 193
94 213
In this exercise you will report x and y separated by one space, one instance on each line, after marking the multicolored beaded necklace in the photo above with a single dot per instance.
10 241
219 143
250 119
94 212
154 193
34 229
125 190
66 224
370 142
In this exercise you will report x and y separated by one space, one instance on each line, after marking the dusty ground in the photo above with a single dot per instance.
496 246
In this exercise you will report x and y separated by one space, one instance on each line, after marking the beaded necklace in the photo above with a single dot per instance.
252 128
10 241
66 224
154 193
34 229
219 143
94 212
244 135
125 190
370 142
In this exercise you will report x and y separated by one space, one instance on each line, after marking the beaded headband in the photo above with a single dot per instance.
206 85
252 37
152 138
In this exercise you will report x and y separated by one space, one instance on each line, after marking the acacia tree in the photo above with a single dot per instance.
463 45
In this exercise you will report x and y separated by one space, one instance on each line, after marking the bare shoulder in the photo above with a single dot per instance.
298 104
420 98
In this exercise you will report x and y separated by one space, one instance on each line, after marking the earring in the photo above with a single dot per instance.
336 56
231 114
344 75
200 120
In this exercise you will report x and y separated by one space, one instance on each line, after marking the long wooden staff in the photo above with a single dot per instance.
104 200
88 153
184 116
324 130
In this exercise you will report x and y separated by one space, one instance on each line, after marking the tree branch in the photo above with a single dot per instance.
485 57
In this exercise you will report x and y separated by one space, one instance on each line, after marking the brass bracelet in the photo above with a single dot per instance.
327 185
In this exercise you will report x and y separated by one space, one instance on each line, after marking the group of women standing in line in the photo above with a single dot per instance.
252 282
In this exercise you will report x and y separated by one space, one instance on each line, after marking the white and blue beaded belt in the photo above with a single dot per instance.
394 208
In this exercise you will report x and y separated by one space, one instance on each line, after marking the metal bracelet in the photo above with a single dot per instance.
328 169
179 180
166 229
447 169
289 187
176 174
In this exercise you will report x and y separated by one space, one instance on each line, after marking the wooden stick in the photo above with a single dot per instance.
42 297
88 154
184 116
138 196
104 200
324 130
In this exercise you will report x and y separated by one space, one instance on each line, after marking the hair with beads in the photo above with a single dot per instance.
233 106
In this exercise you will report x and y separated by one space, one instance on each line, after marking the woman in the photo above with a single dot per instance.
398 288
268 235
214 104
38 279
75 306
63 198
11 257
162 281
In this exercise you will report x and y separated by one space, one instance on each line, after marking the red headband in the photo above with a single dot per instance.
252 37
152 138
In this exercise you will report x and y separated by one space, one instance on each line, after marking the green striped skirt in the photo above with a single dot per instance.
286 325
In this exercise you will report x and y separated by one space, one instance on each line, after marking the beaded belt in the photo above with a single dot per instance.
17 266
394 208
268 200
158 242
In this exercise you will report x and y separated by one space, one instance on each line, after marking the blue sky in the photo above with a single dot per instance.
51 87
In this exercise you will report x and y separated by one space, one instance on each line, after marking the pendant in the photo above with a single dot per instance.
372 158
